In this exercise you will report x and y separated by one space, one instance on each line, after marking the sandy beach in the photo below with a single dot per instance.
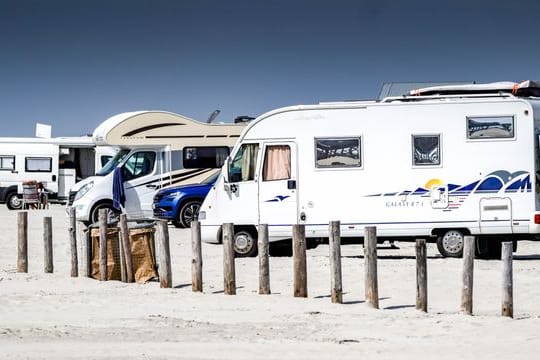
44 316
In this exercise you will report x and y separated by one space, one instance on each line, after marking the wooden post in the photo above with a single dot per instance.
264 263
103 244
164 269
507 308
73 242
229 272
196 259
468 272
299 255
334 242
370 259
123 275
22 242
421 275
126 248
47 241
88 252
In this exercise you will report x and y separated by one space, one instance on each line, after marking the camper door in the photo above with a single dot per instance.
277 186
141 174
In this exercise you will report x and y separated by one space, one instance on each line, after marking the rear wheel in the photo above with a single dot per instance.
187 213
245 243
450 244
13 202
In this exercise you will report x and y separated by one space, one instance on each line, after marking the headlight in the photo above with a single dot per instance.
174 194
84 190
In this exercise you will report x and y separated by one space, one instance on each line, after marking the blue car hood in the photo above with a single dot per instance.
184 188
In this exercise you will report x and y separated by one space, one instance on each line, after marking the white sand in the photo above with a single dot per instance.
49 316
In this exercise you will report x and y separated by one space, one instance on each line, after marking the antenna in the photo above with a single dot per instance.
213 116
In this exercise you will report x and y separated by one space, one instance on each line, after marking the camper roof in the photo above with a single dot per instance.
68 141
163 128
527 88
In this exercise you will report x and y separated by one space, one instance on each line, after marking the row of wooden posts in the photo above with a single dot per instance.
299 260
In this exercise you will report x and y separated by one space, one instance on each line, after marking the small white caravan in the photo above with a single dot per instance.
439 163
58 163
157 149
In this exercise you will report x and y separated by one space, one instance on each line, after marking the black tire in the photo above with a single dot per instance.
112 213
188 212
494 249
245 243
450 244
13 202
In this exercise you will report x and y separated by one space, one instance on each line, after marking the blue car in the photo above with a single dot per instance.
180 204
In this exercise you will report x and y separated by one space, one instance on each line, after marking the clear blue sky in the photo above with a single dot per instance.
72 64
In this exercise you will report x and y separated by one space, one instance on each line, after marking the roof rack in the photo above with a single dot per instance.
414 98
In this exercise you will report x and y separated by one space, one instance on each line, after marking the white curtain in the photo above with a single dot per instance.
249 161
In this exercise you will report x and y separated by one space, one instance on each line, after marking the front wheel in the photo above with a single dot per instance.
450 244
112 213
245 244
13 202
188 213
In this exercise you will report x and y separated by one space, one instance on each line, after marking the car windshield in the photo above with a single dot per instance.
211 179
113 163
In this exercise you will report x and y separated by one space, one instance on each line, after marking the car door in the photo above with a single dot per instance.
277 187
141 176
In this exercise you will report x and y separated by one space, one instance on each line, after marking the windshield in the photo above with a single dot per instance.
113 163
211 179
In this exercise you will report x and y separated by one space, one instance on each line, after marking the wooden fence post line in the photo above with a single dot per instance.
421 275
47 242
126 249
264 263
22 241
103 244
468 274
300 266
507 308
370 258
196 257
165 272
229 271
334 243
73 242
88 252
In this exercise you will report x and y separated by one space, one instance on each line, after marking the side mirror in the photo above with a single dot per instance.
225 170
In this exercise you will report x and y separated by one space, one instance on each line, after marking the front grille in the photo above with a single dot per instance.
71 197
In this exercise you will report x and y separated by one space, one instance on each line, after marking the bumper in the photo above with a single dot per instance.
82 210
210 234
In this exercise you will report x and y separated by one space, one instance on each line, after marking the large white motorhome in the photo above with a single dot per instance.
157 149
438 163
58 163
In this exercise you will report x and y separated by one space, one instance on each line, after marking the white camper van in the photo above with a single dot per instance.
438 164
58 163
157 149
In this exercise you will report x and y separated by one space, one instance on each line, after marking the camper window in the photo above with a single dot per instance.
204 156
38 164
7 162
426 150
139 164
338 152
244 163
277 163
490 127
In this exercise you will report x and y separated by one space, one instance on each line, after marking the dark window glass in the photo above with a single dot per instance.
426 150
205 157
490 127
338 152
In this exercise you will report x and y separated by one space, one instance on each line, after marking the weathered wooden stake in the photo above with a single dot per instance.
73 242
196 257
370 259
22 242
126 248
421 275
165 272
48 247
300 266
88 252
264 263
507 280
123 274
468 274
229 272
103 244
334 242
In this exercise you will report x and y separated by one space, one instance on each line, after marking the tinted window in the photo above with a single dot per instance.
244 163
492 127
139 164
338 152
205 157
38 164
426 150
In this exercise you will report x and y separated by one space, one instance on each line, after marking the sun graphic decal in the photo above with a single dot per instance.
433 182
